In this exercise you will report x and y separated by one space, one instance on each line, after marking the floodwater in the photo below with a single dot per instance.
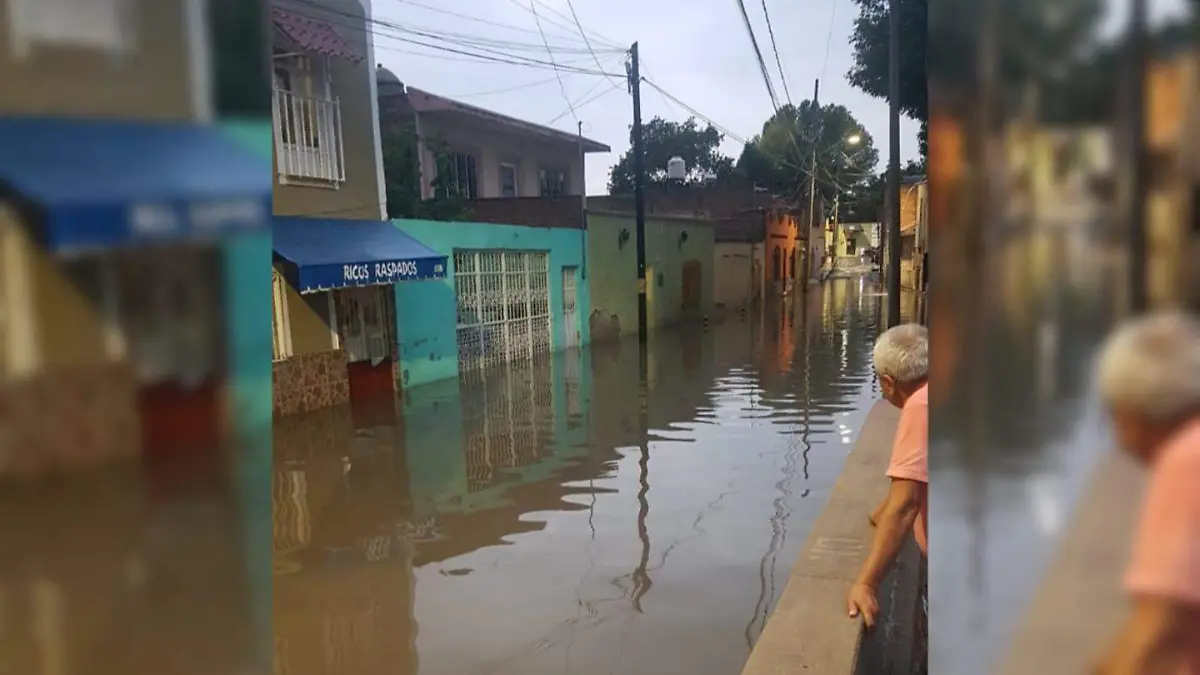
541 520
1006 483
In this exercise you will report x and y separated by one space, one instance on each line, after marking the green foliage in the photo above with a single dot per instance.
781 157
698 146
402 178
870 42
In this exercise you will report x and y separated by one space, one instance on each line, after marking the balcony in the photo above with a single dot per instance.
308 139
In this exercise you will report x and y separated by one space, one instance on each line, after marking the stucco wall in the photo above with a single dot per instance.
352 85
492 146
734 283
614 280
426 311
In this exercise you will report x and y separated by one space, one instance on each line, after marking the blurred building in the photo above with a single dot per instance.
120 204
1173 202
337 256
914 230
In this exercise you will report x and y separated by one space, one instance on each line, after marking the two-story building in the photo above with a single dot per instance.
487 155
337 256
122 210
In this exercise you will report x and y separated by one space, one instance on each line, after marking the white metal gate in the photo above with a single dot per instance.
364 321
570 298
503 306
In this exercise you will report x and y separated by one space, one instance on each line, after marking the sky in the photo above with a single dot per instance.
698 51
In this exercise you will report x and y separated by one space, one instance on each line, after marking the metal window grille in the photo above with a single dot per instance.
503 307
508 420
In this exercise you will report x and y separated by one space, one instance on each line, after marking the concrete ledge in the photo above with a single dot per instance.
809 630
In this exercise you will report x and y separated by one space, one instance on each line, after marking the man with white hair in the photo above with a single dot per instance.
901 360
1149 376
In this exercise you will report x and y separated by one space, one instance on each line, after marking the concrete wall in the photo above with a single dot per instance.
808 631
353 85
842 238
613 281
152 82
426 311
493 144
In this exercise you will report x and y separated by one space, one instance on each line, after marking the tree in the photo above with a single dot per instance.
781 157
870 70
698 146
402 178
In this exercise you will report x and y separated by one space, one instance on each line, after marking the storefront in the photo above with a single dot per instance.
113 237
335 309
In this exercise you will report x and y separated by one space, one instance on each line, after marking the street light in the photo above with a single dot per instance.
854 139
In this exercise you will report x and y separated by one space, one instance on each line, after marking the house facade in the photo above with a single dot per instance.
126 219
511 294
479 154
336 256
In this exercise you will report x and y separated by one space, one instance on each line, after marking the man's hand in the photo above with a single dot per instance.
862 601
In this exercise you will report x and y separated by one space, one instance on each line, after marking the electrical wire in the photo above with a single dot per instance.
774 48
467 17
762 64
583 34
492 92
724 130
829 37
564 22
561 87
495 56
584 100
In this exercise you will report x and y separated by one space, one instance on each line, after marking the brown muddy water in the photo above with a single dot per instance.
538 521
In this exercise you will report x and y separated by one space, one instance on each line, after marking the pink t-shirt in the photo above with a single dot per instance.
910 455
1166 553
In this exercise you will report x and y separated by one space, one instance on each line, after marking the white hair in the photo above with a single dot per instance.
902 353
1151 367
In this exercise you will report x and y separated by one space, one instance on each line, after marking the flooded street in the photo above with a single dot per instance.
539 521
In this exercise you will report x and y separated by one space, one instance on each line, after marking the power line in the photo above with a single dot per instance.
467 17
564 21
829 37
495 56
563 89
585 100
491 92
697 113
583 34
774 48
762 64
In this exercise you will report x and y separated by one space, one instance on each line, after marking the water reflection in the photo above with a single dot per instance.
1008 472
542 520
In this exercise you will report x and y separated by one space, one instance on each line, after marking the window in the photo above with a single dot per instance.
508 180
307 119
461 178
553 182
103 25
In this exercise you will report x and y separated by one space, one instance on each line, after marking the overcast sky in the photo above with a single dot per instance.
698 51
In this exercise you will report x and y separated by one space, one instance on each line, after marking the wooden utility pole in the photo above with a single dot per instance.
639 189
806 272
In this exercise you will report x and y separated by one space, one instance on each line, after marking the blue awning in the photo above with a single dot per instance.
330 253
103 183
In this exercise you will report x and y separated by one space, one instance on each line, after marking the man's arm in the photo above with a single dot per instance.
1153 641
895 522
878 512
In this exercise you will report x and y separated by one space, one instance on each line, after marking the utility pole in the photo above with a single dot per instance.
812 183
583 207
893 173
1136 179
639 189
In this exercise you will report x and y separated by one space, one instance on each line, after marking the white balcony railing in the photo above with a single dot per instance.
308 138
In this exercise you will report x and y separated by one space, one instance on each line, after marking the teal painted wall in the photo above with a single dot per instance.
613 282
426 311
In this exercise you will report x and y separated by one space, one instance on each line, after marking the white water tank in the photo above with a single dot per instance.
676 168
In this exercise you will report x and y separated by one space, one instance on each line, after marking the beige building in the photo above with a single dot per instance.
115 194
488 155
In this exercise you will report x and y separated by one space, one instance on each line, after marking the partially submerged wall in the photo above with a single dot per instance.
809 632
